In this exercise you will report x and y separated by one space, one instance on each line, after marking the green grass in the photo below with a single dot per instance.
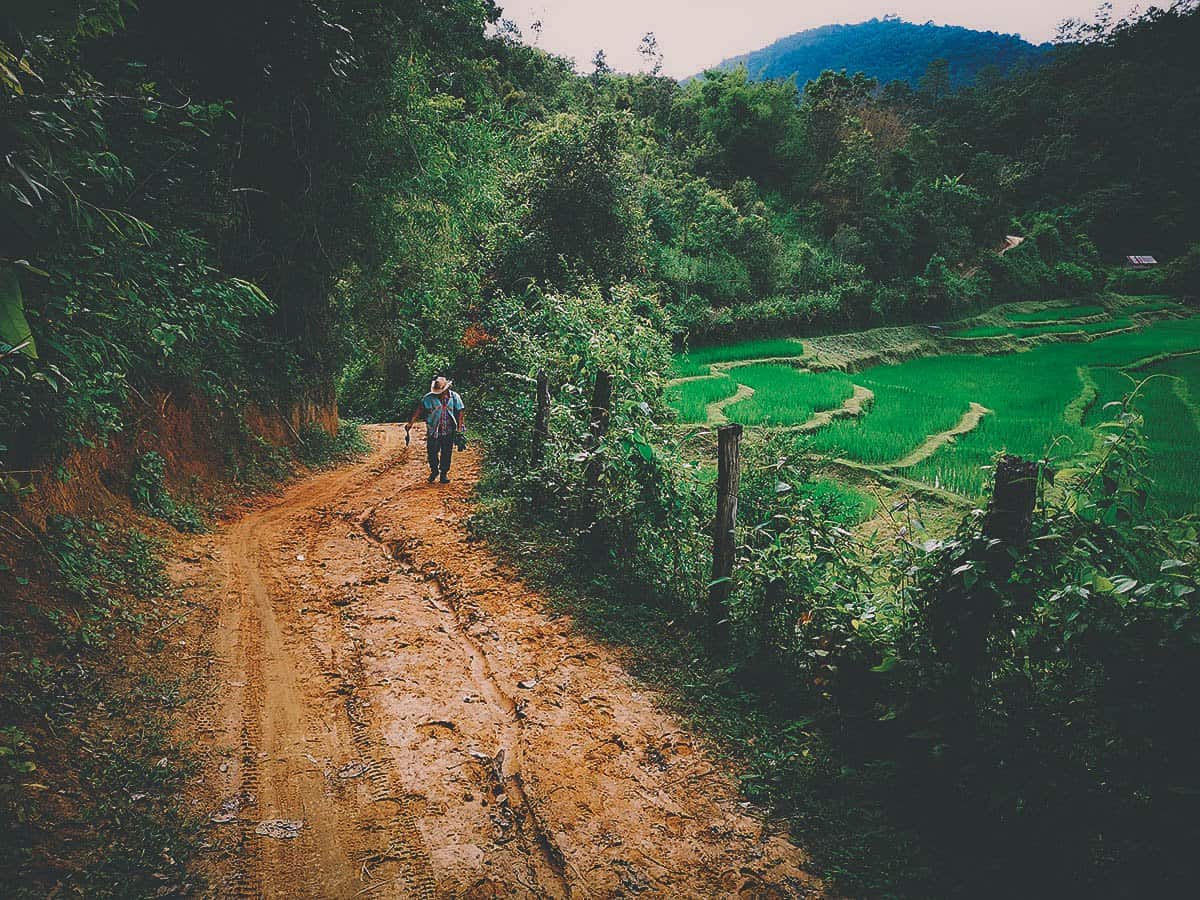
1041 406
839 501
785 395
691 398
986 331
1056 314
1030 394
1150 306
697 361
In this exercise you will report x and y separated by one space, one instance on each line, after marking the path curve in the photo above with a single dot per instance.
714 413
853 407
394 713
969 422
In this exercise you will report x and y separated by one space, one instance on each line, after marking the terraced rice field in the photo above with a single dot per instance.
784 395
697 362
691 398
1102 327
1167 395
1045 401
1057 314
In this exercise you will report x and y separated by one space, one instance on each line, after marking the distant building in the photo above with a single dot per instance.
1140 262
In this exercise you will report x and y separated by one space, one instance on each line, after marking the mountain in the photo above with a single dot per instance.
889 49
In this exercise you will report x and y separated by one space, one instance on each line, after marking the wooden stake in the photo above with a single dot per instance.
541 419
598 426
1010 513
729 475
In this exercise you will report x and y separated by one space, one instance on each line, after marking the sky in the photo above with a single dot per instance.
694 34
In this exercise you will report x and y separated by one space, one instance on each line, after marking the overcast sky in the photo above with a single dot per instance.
694 34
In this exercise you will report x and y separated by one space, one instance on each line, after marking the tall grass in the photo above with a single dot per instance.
1107 325
784 395
1057 314
839 501
697 361
1173 441
691 398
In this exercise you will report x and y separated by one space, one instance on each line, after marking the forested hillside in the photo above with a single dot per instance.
228 229
890 49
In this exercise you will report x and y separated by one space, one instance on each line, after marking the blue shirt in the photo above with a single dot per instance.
441 418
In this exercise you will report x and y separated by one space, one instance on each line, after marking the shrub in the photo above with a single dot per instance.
149 494
317 448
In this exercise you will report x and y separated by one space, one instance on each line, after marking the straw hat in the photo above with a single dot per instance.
441 383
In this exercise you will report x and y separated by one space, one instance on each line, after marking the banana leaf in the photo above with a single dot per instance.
14 329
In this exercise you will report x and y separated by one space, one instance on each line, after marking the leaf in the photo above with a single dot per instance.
1169 564
14 328
886 666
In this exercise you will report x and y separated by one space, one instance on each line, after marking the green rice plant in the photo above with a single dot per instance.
1050 328
1173 441
784 395
1112 386
982 331
1057 314
1187 370
691 398
1029 393
1150 306
698 361
912 401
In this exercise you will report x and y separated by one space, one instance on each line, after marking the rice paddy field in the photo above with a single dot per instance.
697 362
784 395
939 419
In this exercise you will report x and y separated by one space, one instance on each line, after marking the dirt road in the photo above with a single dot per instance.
395 714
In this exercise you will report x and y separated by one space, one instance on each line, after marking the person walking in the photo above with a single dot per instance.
445 426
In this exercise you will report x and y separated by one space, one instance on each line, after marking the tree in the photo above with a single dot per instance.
652 56
600 68
580 218
935 83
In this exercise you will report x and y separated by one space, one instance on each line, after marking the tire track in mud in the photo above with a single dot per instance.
280 724
505 767
357 688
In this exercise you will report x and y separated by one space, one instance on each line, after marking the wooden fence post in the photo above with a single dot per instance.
729 475
541 419
1006 525
598 425
1010 514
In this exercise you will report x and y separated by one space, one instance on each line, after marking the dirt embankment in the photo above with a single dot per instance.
394 713
199 442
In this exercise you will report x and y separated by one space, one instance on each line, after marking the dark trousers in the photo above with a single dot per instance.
442 447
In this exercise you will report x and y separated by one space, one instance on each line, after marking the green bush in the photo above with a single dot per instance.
317 448
628 499
148 491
